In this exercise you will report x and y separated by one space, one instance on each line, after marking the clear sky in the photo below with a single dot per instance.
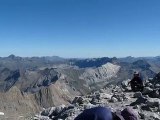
80 28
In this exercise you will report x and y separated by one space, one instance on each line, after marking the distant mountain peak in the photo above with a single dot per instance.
11 56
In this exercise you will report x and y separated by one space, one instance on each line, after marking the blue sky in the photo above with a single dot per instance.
80 28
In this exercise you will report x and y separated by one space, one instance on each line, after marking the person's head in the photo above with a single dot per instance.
97 113
136 74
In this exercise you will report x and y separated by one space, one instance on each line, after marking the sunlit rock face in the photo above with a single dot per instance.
103 73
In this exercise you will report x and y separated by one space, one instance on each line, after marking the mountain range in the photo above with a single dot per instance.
29 84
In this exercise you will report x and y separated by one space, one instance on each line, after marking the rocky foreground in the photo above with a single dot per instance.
145 104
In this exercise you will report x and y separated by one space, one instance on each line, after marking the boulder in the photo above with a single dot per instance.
142 115
39 117
124 84
137 95
139 101
146 107
153 102
157 86
113 99
59 109
154 94
154 116
149 116
120 97
101 91
48 112
148 84
105 96
78 99
88 106
147 90
94 101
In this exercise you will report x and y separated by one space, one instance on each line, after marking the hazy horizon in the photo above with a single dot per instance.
81 57
80 28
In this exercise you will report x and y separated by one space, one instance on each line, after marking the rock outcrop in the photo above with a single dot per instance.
103 73
145 104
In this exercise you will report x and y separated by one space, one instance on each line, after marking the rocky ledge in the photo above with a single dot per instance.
145 104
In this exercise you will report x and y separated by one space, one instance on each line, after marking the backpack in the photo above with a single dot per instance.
127 114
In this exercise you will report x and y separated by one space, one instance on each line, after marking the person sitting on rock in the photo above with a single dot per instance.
136 83
103 113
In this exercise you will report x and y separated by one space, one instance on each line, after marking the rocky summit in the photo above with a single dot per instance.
146 104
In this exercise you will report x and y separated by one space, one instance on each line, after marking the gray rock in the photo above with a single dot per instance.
157 85
78 99
142 115
39 117
154 94
59 109
105 96
124 84
88 106
137 95
148 84
146 107
139 101
113 99
147 90
48 112
153 102
155 116
94 101
101 91
120 97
